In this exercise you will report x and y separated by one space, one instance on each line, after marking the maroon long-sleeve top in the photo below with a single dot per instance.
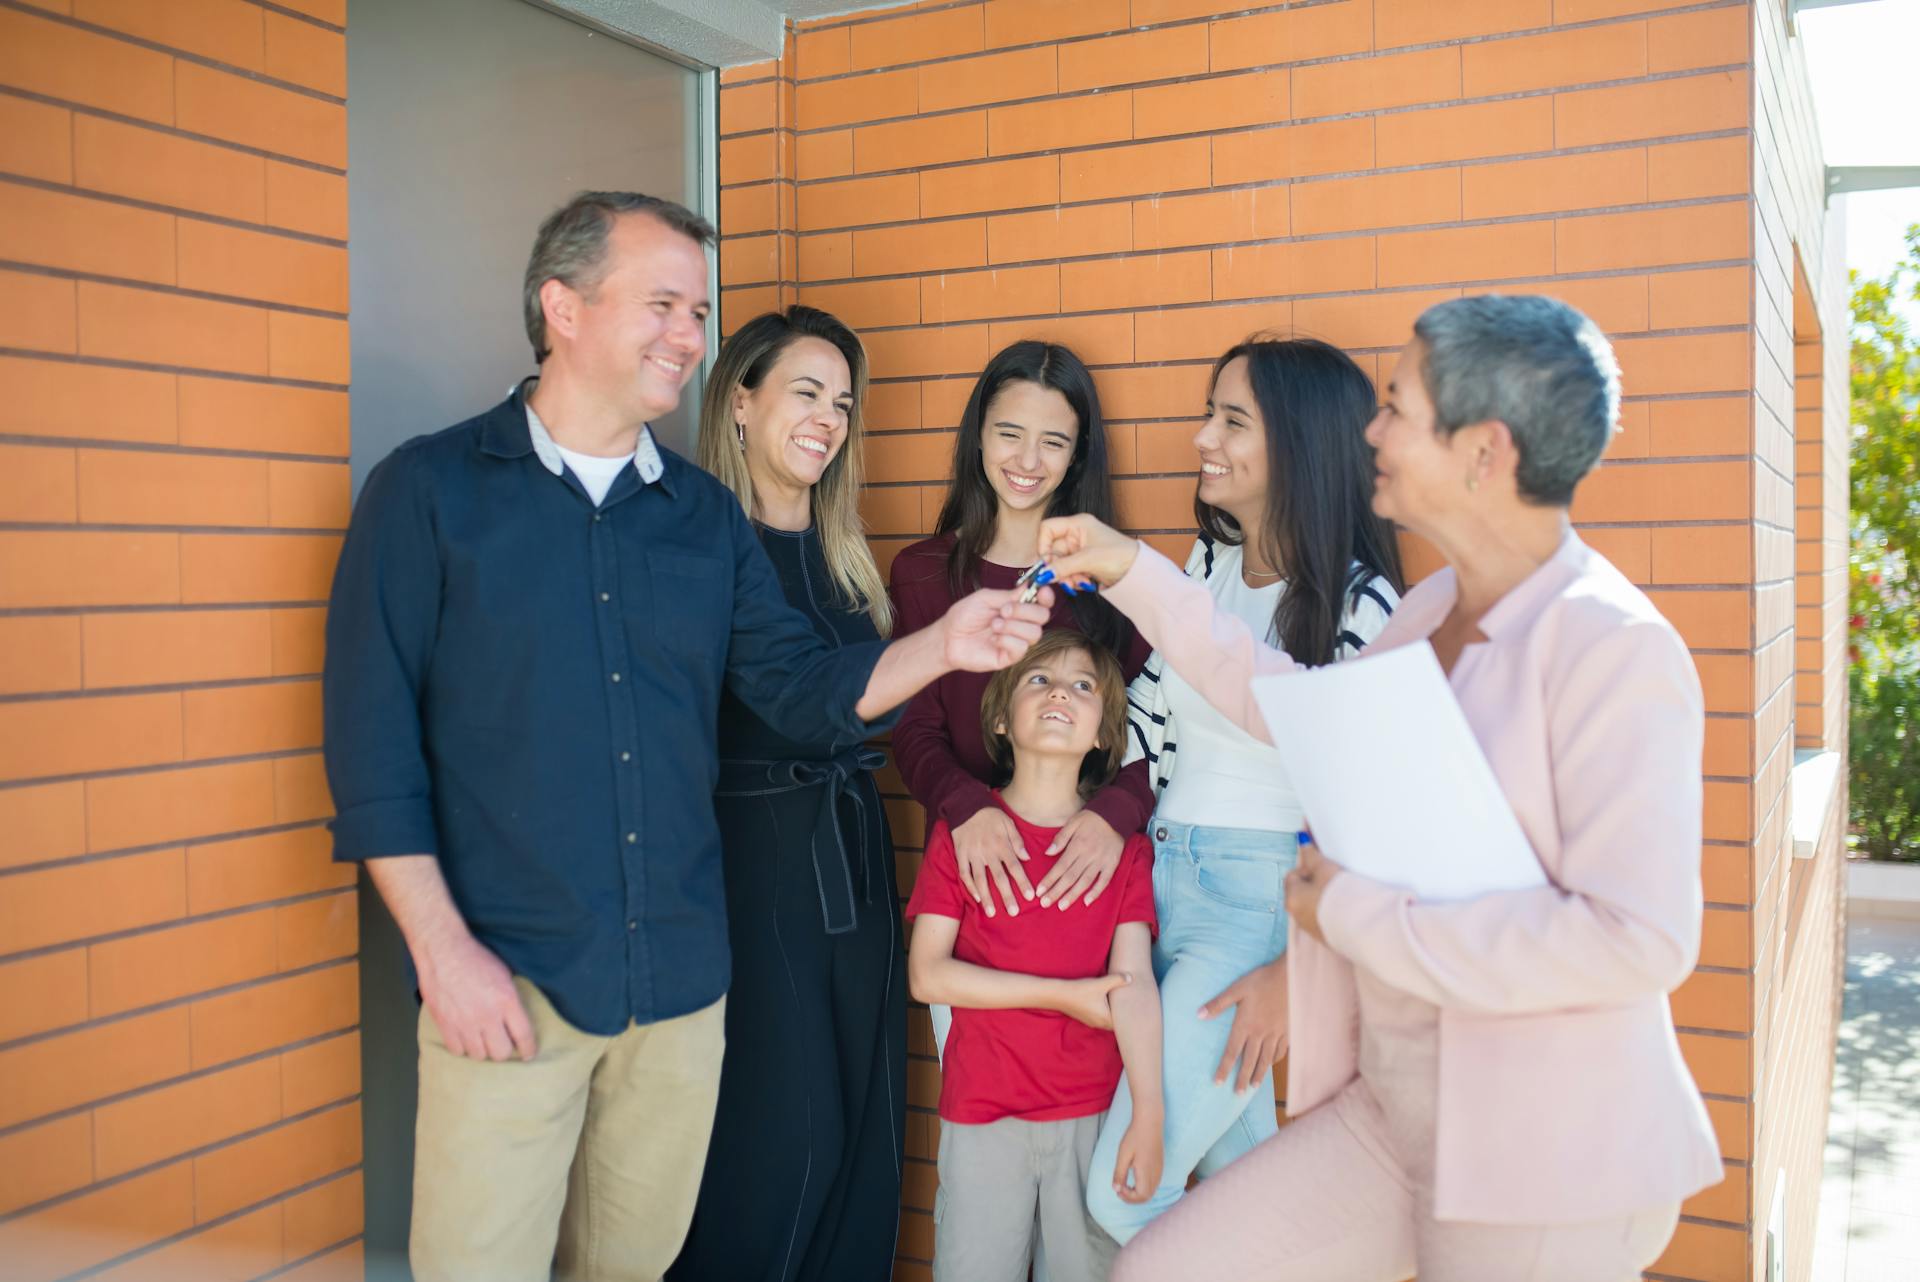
939 744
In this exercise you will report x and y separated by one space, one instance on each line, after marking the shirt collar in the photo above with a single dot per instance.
1427 605
646 456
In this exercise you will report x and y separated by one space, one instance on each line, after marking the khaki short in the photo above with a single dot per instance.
593 1150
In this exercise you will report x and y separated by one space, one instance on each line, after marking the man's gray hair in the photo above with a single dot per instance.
571 247
1538 366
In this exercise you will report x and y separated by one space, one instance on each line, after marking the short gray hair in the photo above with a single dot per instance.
1538 366
571 247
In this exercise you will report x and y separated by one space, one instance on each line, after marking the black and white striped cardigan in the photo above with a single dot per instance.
1150 733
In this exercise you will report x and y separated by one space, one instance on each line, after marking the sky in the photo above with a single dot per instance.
1860 57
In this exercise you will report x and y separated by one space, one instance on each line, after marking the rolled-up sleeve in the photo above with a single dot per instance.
781 668
382 623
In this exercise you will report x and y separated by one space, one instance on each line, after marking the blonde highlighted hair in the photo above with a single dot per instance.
745 360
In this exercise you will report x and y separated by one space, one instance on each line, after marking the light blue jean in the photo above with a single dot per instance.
1217 892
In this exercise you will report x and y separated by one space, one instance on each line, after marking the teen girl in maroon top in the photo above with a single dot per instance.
1031 445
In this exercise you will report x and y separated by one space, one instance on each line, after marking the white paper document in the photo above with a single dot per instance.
1393 782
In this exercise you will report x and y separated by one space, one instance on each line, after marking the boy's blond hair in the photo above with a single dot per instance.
1101 764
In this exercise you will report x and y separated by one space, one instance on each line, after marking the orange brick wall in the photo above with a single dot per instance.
179 1068
1821 435
1149 180
1800 432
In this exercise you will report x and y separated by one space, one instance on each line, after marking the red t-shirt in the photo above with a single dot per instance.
1039 1065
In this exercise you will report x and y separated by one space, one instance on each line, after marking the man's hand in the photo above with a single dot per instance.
1081 550
468 991
1306 884
988 630
989 851
1087 998
470 994
1258 1000
1143 1153
1089 851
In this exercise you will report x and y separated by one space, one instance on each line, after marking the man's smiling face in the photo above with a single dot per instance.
638 333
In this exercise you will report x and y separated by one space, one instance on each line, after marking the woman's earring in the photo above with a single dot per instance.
740 433
1473 481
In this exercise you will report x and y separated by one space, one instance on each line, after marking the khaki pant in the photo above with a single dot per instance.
595 1147
1006 1186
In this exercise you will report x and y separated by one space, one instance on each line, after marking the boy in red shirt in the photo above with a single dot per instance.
1047 1007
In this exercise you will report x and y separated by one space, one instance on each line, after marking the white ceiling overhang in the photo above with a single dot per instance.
714 33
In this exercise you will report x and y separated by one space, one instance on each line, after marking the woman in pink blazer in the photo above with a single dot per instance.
1488 1089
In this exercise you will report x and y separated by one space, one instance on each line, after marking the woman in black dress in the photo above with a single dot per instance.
803 1175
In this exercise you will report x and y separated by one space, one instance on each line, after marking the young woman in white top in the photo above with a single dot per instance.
1289 543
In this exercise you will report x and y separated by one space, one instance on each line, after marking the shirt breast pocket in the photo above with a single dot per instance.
692 601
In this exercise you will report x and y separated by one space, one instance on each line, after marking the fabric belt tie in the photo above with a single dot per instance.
835 777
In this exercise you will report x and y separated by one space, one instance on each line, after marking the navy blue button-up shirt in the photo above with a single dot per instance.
527 687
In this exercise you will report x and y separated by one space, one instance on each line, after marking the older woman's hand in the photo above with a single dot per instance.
1306 884
1081 550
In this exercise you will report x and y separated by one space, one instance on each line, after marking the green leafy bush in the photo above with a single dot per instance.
1884 771
1884 567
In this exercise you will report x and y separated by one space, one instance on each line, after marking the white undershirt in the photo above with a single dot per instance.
1223 777
595 473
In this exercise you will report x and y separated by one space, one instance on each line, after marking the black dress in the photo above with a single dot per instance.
803 1175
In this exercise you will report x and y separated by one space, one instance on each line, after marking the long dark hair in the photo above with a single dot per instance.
972 508
1320 529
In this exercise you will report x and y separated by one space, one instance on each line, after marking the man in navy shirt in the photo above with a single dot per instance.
532 621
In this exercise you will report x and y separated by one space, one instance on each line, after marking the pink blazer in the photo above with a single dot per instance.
1562 1092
